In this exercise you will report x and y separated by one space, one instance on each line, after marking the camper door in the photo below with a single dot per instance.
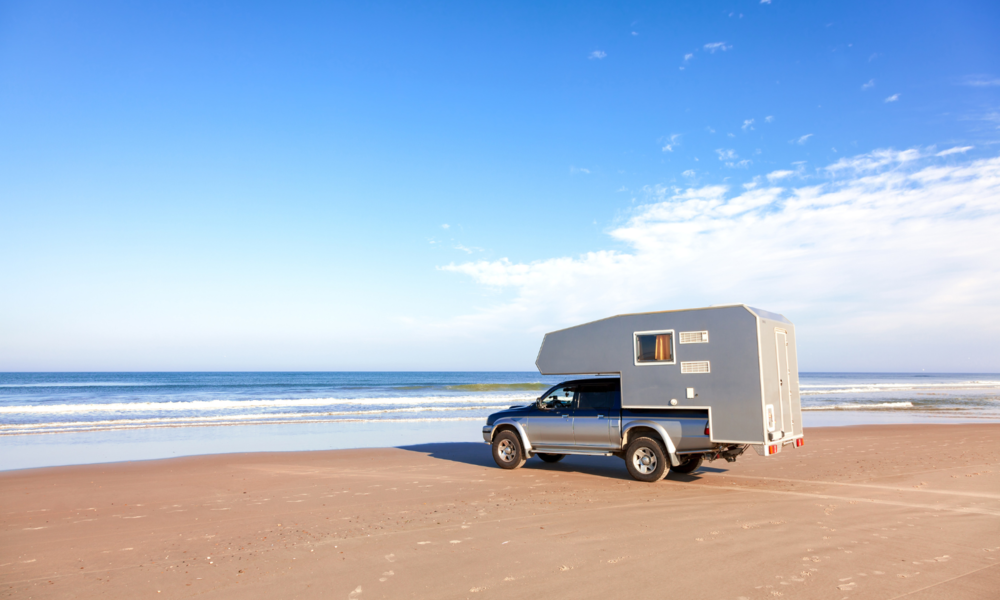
784 418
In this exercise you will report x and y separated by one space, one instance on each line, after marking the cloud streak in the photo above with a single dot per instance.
860 259
717 47
982 81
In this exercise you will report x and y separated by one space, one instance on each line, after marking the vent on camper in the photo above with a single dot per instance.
694 337
699 366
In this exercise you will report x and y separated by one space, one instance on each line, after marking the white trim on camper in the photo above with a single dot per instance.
635 348
763 397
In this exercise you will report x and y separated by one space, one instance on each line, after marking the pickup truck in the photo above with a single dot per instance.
585 416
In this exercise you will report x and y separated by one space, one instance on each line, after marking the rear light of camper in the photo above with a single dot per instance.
773 449
707 431
800 442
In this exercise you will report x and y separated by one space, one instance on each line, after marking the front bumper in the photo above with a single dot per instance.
488 433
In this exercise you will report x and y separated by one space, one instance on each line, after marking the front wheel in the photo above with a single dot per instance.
689 465
507 450
646 460
551 458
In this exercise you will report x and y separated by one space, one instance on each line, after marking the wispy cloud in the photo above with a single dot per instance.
717 46
466 249
848 259
688 56
777 175
955 150
869 85
726 154
981 81
445 226
801 140
769 119
874 161
673 142
892 98
575 170
747 125
765 1
635 33
598 54
688 173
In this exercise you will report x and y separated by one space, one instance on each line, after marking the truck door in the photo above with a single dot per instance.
553 424
784 382
597 406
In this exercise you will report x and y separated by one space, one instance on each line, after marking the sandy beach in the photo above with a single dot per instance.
884 511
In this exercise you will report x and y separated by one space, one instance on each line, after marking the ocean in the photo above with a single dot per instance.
69 418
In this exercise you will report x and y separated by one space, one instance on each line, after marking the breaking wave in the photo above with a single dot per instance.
855 406
223 405
125 424
866 388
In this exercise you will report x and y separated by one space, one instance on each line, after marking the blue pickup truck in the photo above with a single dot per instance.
585 416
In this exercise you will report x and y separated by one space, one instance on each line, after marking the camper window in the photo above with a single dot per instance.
654 347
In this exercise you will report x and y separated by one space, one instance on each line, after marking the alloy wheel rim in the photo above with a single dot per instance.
506 450
644 461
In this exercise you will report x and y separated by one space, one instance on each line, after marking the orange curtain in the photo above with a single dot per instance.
662 347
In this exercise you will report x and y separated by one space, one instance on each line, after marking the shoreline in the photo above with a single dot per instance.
37 450
882 510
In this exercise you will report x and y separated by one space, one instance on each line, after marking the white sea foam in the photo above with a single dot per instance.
224 405
862 388
85 427
15 427
852 406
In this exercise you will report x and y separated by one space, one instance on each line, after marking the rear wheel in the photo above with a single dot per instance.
507 450
646 460
551 458
690 464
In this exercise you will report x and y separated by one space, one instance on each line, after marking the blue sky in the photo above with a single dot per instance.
311 185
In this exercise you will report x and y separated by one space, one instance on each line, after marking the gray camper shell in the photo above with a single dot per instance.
736 363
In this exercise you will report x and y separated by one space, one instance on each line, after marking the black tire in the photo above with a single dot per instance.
551 458
646 460
507 450
690 464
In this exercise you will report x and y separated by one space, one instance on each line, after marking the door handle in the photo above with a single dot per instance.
600 416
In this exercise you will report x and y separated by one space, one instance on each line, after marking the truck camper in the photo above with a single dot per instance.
664 391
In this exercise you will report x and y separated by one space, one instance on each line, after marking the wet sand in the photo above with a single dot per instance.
886 511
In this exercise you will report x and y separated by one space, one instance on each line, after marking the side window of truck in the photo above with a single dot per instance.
600 398
560 398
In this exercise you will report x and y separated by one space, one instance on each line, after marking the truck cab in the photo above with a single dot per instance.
585 416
